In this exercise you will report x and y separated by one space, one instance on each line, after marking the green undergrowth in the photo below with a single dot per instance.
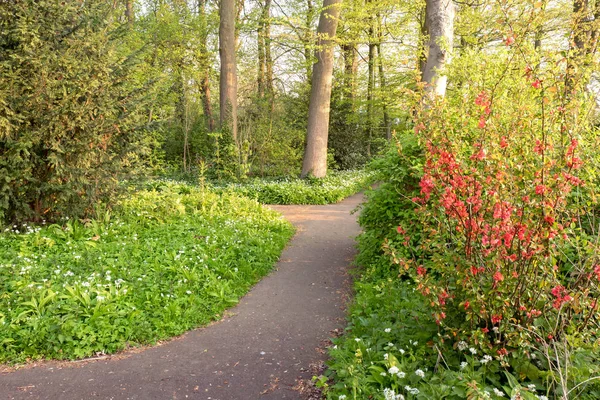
164 261
335 187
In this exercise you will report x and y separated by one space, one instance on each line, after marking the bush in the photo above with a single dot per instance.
67 119
68 291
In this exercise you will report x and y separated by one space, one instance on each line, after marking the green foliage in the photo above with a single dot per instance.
68 122
333 188
169 259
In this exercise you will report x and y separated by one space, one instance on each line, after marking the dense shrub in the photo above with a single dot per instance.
67 117
167 260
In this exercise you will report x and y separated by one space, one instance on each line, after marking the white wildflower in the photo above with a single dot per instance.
542 397
463 365
342 397
387 330
473 351
420 373
486 359
462 345
393 370
498 393
401 374
385 356
411 390
531 387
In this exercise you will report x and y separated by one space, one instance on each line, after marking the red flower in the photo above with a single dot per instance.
509 40
496 319
467 304
498 277
541 189
421 271
536 84
502 352
503 142
482 122
400 230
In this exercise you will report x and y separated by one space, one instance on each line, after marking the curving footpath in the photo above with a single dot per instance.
263 349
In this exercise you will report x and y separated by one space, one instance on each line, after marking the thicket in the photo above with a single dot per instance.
69 120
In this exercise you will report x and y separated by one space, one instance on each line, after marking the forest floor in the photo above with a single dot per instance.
267 347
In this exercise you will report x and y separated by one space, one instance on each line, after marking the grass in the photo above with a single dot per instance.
332 189
165 261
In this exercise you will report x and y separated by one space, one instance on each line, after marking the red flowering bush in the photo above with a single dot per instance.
508 262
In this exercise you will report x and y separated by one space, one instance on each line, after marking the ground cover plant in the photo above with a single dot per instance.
333 188
166 260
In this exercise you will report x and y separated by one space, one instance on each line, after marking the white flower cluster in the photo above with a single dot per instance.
486 359
389 394
411 390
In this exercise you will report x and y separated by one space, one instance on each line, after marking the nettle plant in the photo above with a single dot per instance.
511 258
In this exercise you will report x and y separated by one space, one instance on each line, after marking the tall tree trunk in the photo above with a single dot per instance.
268 56
315 155
205 65
228 78
260 36
129 13
581 45
382 84
265 60
370 82
439 20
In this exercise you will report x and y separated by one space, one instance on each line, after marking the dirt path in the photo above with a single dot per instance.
262 350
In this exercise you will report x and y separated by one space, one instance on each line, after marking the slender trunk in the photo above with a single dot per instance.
268 56
439 19
228 78
308 40
422 46
129 13
315 156
205 66
370 83
382 83
265 60
350 69
260 35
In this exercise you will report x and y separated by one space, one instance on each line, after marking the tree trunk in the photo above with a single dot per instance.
422 45
129 14
268 56
370 82
205 65
315 155
349 52
228 78
439 20
382 84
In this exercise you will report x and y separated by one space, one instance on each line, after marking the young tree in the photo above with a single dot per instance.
228 79
315 155
439 22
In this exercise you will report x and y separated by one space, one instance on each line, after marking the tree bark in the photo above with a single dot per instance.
439 20
129 14
268 56
315 155
228 78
